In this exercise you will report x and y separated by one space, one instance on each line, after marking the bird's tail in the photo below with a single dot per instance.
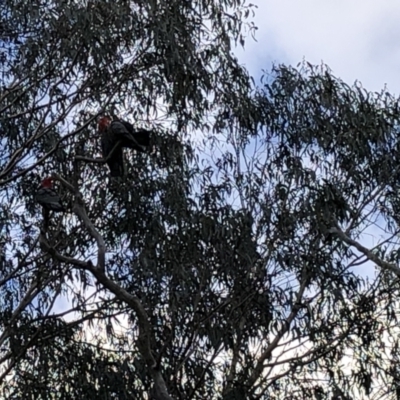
142 137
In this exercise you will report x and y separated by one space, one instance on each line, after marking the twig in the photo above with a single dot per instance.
63 181
48 154
99 160
257 372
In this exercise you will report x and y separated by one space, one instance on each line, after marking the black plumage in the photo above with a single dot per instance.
115 135
47 197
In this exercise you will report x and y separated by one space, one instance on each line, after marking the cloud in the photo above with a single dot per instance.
357 39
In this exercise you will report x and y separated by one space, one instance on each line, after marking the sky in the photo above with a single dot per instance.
357 39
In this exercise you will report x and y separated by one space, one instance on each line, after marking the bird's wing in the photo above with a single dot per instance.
49 198
131 138
128 126
119 129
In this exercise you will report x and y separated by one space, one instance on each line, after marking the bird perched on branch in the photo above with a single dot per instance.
48 198
112 151
116 135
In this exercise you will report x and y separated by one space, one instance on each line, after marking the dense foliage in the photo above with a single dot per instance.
235 260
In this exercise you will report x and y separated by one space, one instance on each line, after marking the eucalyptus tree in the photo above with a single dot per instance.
229 261
166 65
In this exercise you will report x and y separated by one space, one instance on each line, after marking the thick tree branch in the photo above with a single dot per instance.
368 253
79 210
144 340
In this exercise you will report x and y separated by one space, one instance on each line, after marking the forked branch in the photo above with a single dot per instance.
145 335
145 331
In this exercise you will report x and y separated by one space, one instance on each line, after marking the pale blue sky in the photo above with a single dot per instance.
357 39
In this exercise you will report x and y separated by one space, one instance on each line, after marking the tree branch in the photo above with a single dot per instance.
48 154
368 253
99 160
268 351
144 339
79 210
63 181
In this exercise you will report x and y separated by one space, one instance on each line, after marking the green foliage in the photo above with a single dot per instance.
235 255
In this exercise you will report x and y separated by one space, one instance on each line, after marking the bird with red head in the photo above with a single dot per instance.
47 197
117 134
104 123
